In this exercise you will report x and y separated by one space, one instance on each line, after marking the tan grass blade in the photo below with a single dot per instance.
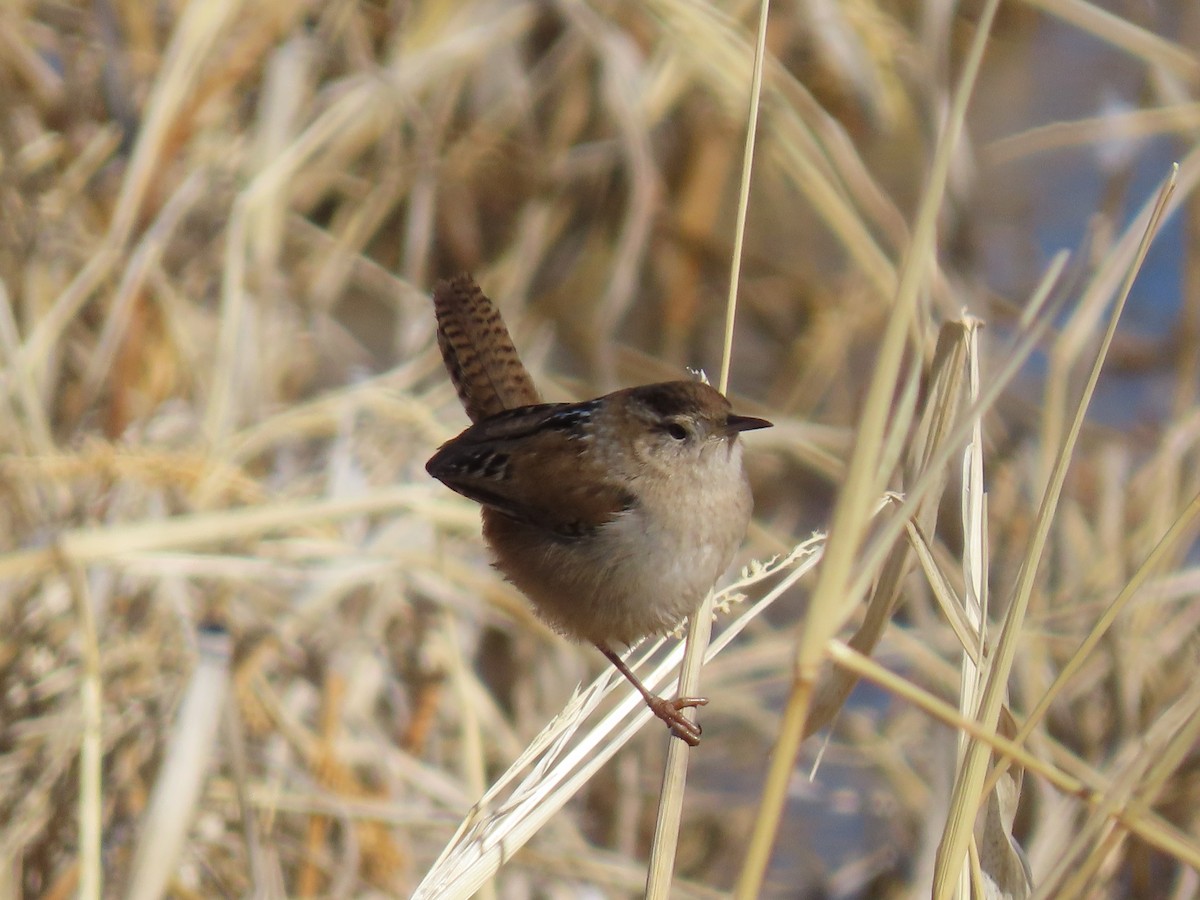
1075 339
967 796
998 863
1065 772
91 748
1135 787
831 603
1171 541
1014 357
937 444
926 469
670 806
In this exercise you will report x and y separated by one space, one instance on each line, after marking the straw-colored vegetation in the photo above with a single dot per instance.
246 644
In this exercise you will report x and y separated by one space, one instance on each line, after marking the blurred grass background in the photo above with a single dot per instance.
219 223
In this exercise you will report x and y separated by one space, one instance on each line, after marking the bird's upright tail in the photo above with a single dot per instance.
480 356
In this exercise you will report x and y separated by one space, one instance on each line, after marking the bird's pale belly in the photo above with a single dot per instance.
625 582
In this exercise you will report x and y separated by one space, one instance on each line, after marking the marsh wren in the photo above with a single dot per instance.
614 516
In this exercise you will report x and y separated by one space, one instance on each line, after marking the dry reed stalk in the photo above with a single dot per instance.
831 606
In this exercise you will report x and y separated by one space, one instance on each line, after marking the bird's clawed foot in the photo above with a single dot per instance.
671 712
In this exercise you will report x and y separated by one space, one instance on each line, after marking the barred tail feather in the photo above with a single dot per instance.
480 356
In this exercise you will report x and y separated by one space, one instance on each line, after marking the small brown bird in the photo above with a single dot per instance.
614 516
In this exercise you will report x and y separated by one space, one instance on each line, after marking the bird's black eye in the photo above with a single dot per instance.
677 431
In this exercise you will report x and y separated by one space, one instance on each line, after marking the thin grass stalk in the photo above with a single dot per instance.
948 602
1170 542
1086 784
266 887
974 515
1106 280
670 806
665 841
966 797
842 654
830 603
934 459
472 755
880 399
739 231
1014 356
91 748
1134 788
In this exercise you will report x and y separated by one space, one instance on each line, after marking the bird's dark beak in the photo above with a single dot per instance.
736 424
